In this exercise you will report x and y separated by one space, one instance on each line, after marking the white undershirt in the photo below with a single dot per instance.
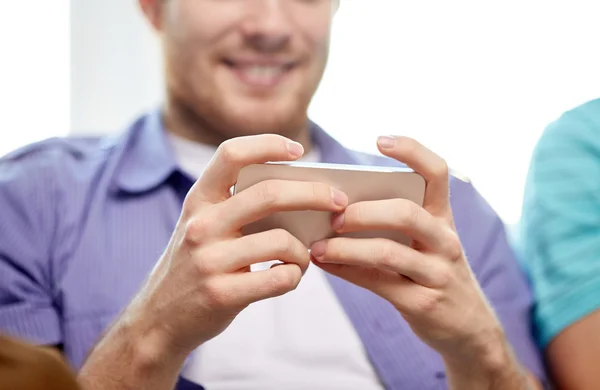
301 340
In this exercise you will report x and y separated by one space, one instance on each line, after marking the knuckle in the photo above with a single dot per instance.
214 294
428 302
409 213
283 281
267 193
228 152
387 254
205 262
356 213
196 229
453 247
284 241
441 169
443 277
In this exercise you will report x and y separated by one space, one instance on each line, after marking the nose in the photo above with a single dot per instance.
268 25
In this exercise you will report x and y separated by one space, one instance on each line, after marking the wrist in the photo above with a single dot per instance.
135 353
131 356
488 363
148 346
149 336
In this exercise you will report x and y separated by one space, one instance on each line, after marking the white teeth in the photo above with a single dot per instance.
262 74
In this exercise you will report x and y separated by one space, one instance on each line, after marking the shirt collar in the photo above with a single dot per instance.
147 161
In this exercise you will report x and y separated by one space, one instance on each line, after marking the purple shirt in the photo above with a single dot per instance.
83 221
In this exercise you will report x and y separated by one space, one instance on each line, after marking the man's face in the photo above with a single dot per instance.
246 66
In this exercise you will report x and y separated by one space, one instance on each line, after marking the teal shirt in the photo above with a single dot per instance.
560 226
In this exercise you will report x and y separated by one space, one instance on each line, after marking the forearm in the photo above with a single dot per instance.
130 357
496 369
514 378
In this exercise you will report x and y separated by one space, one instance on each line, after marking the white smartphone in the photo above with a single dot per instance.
360 183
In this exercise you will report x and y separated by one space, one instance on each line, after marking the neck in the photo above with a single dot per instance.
180 120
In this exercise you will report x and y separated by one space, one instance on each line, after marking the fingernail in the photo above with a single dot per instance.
295 149
386 141
339 198
318 249
337 222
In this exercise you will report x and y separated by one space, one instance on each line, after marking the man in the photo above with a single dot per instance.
87 221
561 242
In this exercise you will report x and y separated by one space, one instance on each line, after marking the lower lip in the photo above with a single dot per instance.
269 82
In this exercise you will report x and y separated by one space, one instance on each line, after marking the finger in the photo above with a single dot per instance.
425 162
236 153
395 214
381 254
386 284
252 287
233 255
272 196
409 298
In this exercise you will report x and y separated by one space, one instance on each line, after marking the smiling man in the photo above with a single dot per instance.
138 238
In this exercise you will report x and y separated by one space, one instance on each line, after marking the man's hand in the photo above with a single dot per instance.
431 282
203 280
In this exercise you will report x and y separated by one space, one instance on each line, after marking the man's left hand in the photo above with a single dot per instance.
430 282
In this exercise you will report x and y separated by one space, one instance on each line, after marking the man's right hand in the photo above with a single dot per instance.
203 280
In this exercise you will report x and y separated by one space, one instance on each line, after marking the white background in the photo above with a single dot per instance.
34 71
477 81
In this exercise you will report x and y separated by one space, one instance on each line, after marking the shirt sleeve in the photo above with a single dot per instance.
27 308
501 278
560 226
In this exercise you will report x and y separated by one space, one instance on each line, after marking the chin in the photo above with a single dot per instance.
253 125
264 118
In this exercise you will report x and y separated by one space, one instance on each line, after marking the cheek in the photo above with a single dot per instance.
190 41
317 35
195 26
